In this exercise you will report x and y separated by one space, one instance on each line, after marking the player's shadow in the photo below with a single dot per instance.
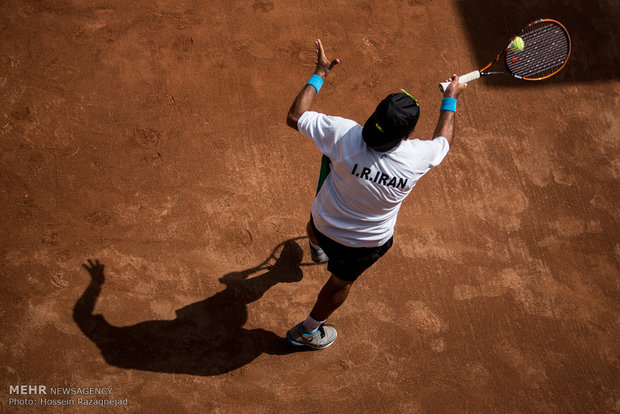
207 337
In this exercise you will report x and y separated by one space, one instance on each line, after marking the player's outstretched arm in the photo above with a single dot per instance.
303 101
445 123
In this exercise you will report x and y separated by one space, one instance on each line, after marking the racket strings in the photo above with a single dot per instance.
546 50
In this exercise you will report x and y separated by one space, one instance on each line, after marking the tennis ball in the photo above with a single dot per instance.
517 45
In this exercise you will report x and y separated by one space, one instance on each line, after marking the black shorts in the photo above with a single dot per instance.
348 263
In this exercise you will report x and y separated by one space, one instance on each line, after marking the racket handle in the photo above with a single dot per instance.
462 79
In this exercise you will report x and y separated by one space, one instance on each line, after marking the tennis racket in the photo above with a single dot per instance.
545 52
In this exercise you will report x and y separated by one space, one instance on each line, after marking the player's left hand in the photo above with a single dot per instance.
323 65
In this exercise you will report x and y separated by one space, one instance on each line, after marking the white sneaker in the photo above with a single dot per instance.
322 338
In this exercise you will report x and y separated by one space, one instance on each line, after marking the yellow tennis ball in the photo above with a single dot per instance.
517 45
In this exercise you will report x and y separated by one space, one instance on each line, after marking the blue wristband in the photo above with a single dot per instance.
316 81
448 104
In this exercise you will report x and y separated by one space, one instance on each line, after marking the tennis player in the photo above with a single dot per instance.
373 169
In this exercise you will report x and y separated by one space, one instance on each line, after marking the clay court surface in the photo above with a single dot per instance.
150 136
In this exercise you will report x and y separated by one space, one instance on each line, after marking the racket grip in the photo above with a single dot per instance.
462 79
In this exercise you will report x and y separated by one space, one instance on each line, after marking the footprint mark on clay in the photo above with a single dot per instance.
58 281
22 114
438 345
263 5
374 50
99 219
183 44
146 138
424 318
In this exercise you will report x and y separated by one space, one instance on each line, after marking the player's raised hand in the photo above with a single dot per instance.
323 65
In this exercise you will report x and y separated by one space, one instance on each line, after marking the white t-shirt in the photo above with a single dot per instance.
359 201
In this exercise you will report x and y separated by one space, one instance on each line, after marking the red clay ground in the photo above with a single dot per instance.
151 136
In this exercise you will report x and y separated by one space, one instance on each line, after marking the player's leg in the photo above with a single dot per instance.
311 234
346 264
333 294
312 332
316 252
